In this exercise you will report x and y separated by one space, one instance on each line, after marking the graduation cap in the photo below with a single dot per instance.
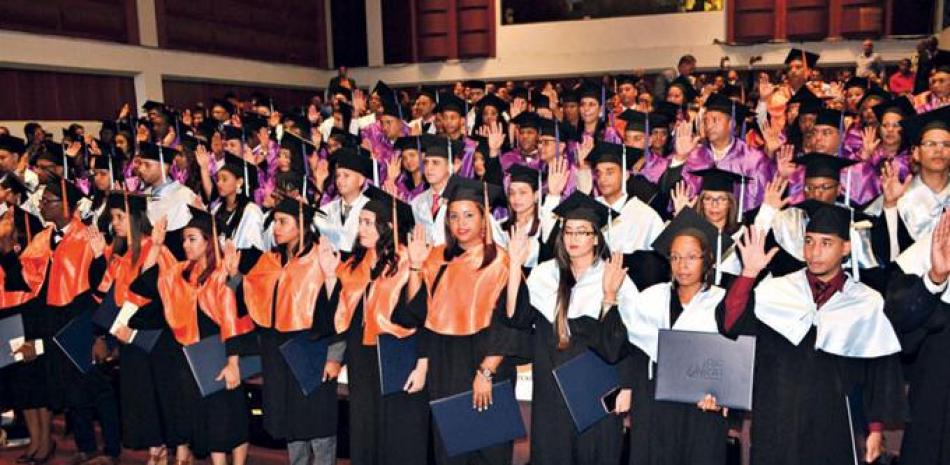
732 91
408 143
539 100
627 79
382 89
829 117
492 100
723 104
525 174
355 159
153 105
346 139
689 220
127 201
856 81
636 120
449 102
223 103
518 92
899 105
189 142
428 92
203 220
579 206
384 206
155 152
826 218
915 127
340 90
105 162
229 132
474 84
872 92
241 168
807 58
15 183
12 144
591 90
719 180
569 96
822 165
941 61
607 152
64 190
527 119
689 91
252 122
442 146
460 188
808 102
666 109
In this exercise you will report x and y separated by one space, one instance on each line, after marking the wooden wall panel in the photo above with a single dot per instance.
109 20
284 31
862 18
751 20
448 29
398 31
46 95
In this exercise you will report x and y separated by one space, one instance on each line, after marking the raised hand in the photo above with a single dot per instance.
771 133
584 149
321 170
765 87
519 247
774 192
124 112
231 258
752 250
393 168
891 185
557 176
328 258
614 275
96 241
158 231
869 143
940 250
418 247
784 161
359 102
685 141
495 136
517 107
682 197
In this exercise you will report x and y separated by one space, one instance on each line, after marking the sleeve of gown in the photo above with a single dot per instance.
502 339
884 400
613 340
13 273
494 174
524 314
148 316
97 271
735 316
912 309
249 258
411 313
245 344
324 312
336 351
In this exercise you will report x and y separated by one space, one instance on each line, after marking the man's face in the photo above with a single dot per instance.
451 122
822 189
8 161
628 94
827 139
823 253
475 94
868 47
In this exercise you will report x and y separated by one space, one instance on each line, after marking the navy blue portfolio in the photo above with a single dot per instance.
464 429
11 328
692 364
306 358
397 358
584 382
207 357
75 339
104 317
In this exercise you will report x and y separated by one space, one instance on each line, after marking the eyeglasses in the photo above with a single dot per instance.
821 187
577 234
932 144
687 259
708 200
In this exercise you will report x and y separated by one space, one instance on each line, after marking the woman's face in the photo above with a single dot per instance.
658 138
285 228
590 110
478 163
521 198
283 160
122 143
675 96
102 180
715 206
489 115
466 223
194 243
633 139
227 183
890 129
366 232
410 160
686 260
120 222
580 238
217 143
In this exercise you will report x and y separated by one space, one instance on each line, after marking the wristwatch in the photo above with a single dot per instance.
485 373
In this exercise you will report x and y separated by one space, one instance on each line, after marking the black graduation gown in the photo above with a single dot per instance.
800 396
922 321
288 413
554 439
663 433
665 185
383 430
217 423
23 385
454 359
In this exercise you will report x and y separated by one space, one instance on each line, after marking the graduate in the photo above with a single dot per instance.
451 110
198 303
526 150
169 198
281 288
467 345
668 432
884 145
339 224
441 161
917 306
240 219
567 297
525 212
592 123
380 137
146 390
392 429
821 336
404 172
106 172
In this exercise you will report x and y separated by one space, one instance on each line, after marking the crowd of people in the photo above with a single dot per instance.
497 225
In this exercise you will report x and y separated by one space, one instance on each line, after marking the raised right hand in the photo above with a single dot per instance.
752 250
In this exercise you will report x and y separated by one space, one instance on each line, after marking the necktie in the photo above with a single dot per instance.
346 212
435 205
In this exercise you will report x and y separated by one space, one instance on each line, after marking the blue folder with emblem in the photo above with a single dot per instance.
11 328
464 429
104 317
585 381
208 356
75 339
692 364
397 358
306 358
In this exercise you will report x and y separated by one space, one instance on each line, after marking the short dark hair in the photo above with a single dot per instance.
687 59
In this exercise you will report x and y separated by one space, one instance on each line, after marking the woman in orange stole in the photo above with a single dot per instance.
391 429
198 303
467 346
281 289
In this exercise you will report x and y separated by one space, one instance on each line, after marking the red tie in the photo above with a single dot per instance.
435 204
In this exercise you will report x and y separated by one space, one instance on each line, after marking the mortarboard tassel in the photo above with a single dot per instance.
161 162
214 240
718 258
741 200
451 165
557 141
623 171
26 221
488 238
395 225
62 185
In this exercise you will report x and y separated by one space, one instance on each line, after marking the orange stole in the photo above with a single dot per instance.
69 271
466 297
379 304
34 261
298 285
182 298
122 272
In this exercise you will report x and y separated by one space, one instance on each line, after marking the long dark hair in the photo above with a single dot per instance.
210 259
385 252
511 221
306 238
453 249
567 281
230 222
139 226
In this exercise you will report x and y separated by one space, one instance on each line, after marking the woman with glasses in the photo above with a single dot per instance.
668 432
568 296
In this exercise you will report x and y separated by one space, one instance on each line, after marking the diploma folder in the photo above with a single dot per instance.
464 429
692 364
397 358
207 357
584 382
75 339
104 317
10 328
306 358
